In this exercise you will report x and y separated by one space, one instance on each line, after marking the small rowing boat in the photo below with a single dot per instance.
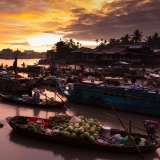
78 131
29 101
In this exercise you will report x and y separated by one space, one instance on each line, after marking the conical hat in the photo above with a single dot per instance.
75 119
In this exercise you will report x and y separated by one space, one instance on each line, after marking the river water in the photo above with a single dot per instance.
17 147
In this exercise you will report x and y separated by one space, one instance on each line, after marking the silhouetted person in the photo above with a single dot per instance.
133 79
15 67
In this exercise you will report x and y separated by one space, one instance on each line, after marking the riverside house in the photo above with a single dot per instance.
135 53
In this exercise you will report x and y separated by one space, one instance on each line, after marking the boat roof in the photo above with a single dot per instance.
138 88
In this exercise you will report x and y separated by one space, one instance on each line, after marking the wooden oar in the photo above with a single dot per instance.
60 97
56 94
110 104
41 93
128 123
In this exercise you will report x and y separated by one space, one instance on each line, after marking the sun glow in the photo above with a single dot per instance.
45 39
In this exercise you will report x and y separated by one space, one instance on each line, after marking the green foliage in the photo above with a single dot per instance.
64 48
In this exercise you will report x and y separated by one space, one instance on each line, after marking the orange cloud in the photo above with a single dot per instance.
79 20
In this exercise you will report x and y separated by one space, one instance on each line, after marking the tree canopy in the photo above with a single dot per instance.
64 48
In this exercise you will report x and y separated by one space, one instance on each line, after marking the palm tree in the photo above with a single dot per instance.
155 36
78 44
125 39
96 40
137 36
156 40
149 40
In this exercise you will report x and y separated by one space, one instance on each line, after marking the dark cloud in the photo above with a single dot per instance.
116 19
79 20
23 6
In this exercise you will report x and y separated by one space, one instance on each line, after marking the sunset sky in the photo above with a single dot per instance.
38 24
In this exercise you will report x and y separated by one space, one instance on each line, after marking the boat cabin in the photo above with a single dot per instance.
10 85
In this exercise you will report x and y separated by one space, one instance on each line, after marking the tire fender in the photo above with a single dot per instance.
92 99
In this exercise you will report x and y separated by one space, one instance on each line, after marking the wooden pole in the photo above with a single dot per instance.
110 104
129 140
35 89
128 123
59 97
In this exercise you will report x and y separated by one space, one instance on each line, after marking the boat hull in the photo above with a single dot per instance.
10 99
125 99
17 124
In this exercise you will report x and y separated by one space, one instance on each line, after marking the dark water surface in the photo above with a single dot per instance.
14 146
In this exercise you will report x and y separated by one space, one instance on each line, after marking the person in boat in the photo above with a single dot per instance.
23 65
118 139
151 127
1 66
140 141
95 69
36 97
69 79
115 139
82 68
42 70
133 79
59 72
71 70
80 77
102 78
75 79
15 66
126 75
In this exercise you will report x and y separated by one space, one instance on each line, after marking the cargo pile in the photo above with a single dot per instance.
76 127
34 127
79 128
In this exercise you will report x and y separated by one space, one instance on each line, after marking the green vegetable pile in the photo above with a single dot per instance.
34 127
58 120
85 130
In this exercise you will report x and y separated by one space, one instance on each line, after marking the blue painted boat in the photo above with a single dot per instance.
127 98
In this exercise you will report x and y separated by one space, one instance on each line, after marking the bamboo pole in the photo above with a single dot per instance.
129 140
126 130
127 123
35 89
59 97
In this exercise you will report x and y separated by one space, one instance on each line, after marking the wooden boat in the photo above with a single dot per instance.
30 102
50 80
153 78
10 85
132 98
23 125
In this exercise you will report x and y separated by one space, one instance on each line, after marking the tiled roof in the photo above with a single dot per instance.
114 50
136 46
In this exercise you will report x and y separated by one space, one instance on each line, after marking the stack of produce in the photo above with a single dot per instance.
58 119
34 127
48 100
75 128
85 130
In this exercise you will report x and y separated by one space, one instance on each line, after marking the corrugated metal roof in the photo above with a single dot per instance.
88 51
117 50
136 46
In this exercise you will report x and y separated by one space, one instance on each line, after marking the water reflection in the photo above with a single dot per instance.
61 151
21 147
